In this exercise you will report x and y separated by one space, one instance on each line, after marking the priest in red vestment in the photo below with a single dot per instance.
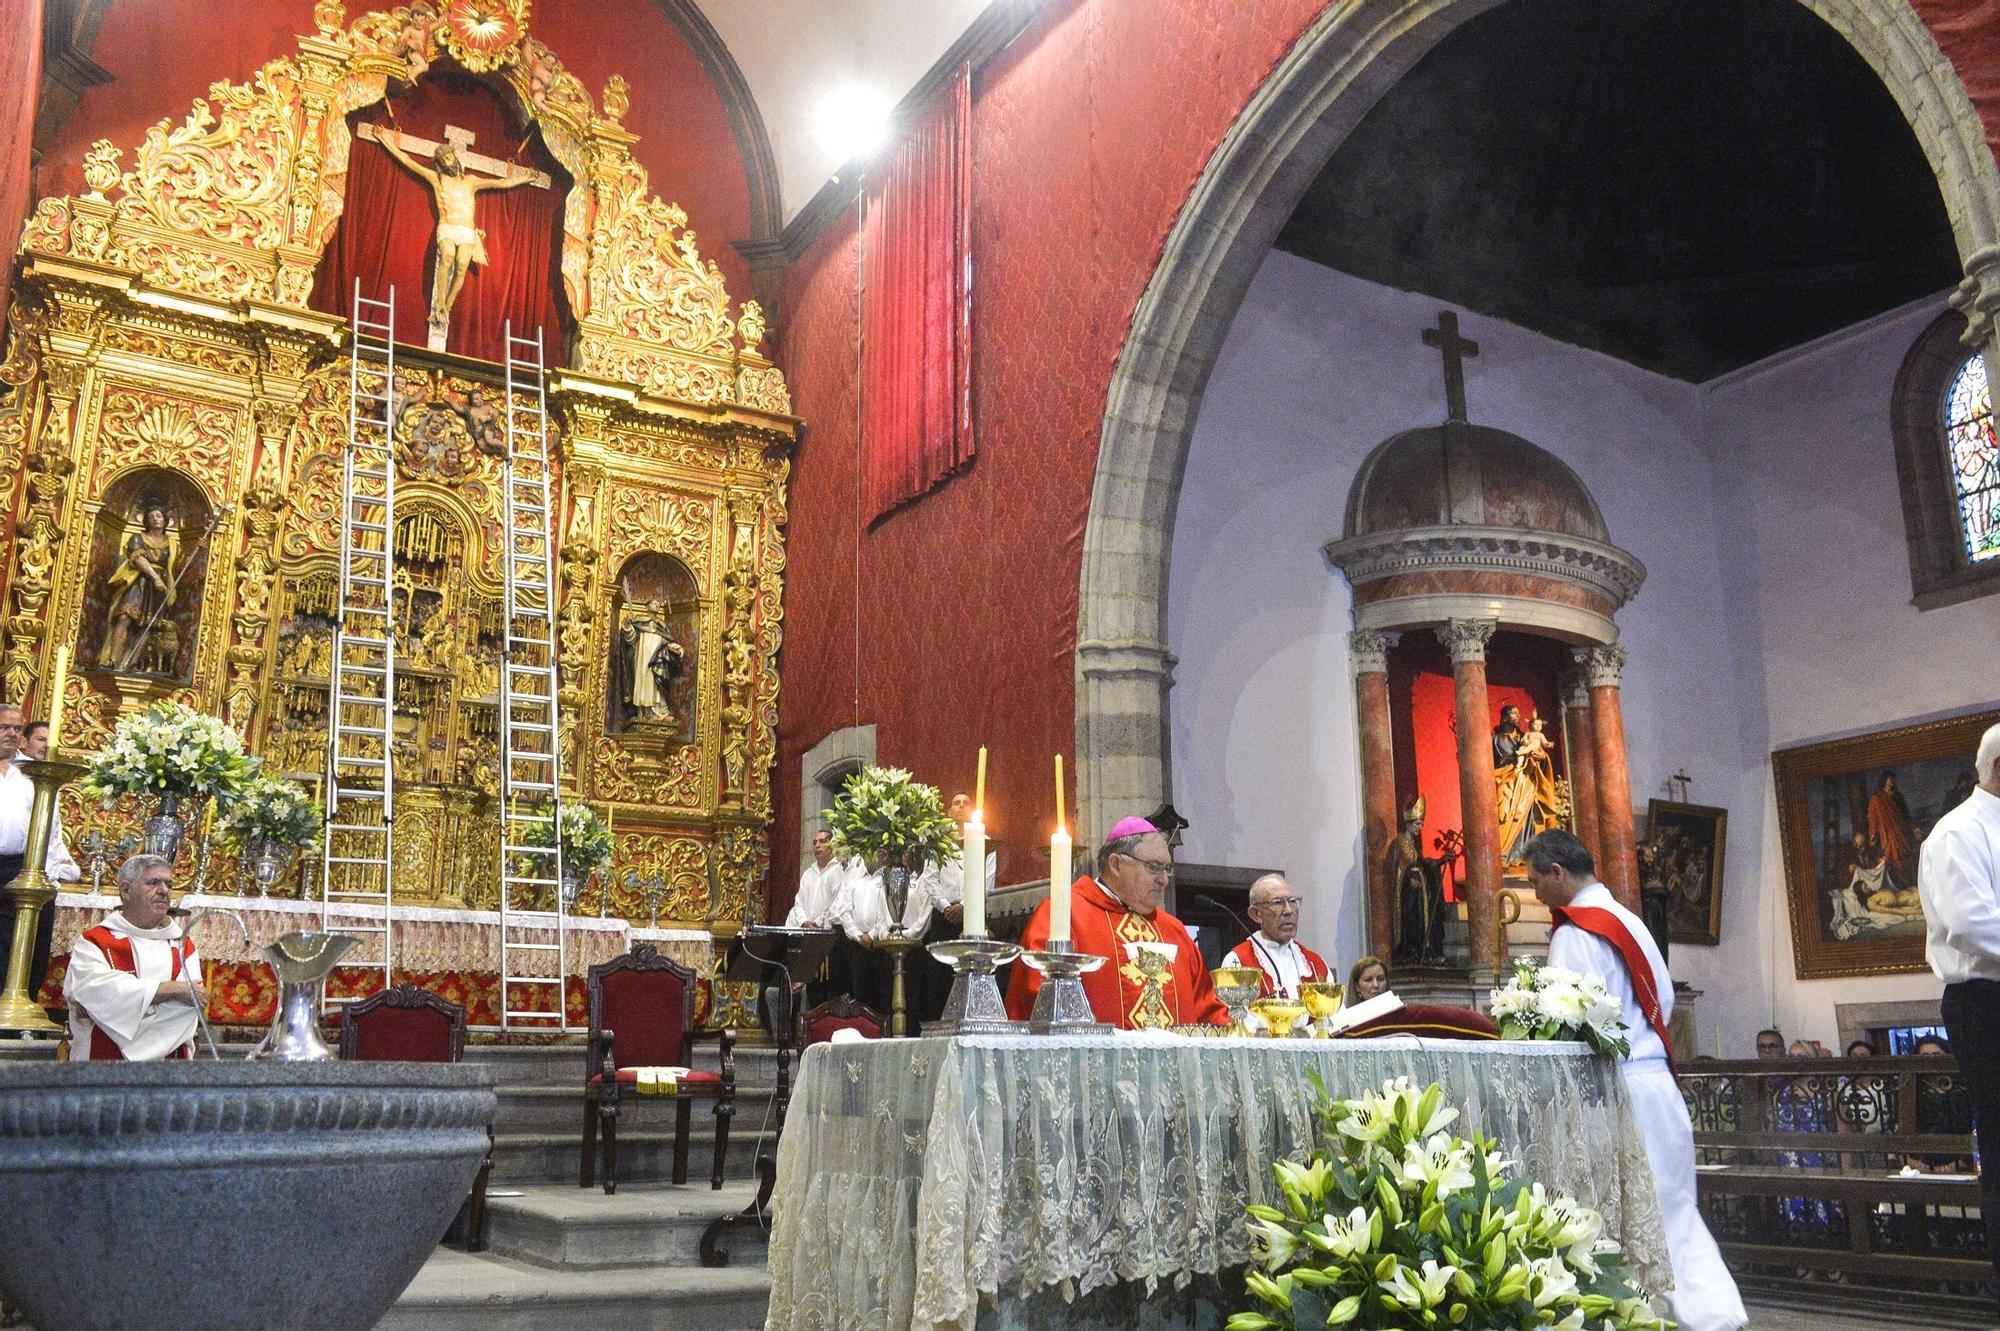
1275 950
1121 905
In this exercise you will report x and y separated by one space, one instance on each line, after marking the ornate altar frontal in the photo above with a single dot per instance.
174 407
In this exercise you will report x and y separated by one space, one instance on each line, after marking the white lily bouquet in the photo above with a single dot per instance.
1556 1003
270 808
169 749
1398 1224
884 814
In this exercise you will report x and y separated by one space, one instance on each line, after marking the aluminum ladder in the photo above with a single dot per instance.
357 859
531 867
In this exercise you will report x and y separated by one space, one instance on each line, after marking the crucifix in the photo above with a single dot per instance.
1455 348
448 169
1681 779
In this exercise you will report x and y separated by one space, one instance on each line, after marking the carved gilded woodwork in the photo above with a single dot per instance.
161 323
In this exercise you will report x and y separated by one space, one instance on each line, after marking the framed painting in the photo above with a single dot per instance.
1680 868
1852 815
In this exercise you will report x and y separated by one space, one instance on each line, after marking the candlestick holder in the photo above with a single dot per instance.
32 893
973 1006
898 945
1061 1006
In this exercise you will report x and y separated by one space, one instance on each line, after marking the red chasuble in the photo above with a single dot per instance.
1250 952
1101 925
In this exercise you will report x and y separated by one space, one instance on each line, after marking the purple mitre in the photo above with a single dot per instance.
1133 826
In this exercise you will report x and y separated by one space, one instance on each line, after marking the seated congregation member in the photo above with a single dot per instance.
134 986
1275 950
1121 905
1594 935
1369 977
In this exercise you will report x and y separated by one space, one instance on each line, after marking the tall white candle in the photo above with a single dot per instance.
1060 862
975 877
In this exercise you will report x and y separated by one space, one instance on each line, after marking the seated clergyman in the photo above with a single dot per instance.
134 986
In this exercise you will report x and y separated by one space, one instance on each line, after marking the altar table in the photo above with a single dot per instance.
915 1175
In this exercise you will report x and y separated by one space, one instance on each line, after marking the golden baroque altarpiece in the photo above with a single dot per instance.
168 402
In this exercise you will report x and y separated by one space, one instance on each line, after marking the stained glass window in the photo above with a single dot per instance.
1974 460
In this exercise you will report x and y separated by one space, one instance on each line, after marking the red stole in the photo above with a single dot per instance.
117 950
1250 952
1100 925
1608 926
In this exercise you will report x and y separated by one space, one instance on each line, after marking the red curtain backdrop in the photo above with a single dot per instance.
385 232
20 89
916 403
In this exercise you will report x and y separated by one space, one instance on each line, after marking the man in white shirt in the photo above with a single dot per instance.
134 982
1275 949
822 888
1958 880
1594 935
17 797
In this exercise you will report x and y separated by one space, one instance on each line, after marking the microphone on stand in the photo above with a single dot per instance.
1223 906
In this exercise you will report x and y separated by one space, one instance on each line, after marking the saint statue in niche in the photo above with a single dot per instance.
455 190
653 658
1529 794
140 637
655 652
1419 884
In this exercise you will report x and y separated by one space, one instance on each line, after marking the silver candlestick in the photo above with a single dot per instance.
1061 1006
974 1006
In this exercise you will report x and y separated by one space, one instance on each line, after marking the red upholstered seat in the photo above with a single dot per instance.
817 1025
631 1075
642 1016
1436 1020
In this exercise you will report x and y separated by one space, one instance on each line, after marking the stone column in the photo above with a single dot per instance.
1580 748
1617 856
1369 652
1477 802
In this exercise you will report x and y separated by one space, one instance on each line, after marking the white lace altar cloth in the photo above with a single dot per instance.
427 938
915 1175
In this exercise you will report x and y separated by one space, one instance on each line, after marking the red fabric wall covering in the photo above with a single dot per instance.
20 87
916 405
384 236
165 53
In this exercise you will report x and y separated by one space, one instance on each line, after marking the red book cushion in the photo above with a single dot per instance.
1436 1020
627 1076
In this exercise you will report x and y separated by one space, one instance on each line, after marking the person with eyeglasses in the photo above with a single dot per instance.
1275 949
1121 904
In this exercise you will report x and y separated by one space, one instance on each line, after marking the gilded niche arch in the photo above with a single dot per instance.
655 656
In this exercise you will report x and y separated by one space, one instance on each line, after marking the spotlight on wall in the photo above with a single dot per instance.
854 120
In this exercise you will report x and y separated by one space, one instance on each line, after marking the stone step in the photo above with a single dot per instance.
560 1108
578 1229
644 1156
458 1291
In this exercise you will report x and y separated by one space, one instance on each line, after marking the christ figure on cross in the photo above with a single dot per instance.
454 189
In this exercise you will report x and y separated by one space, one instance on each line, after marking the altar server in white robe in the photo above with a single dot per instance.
1594 935
134 981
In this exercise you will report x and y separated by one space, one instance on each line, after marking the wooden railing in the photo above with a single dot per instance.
1857 1170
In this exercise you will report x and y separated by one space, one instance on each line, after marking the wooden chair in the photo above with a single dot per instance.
642 1015
844 1012
411 1025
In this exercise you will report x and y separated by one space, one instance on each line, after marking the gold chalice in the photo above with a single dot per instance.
1323 998
1279 1014
1237 987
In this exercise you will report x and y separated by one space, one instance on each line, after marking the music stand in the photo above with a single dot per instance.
754 956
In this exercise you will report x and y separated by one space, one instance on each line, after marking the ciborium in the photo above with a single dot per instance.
1238 987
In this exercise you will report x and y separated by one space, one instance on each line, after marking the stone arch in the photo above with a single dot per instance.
1333 75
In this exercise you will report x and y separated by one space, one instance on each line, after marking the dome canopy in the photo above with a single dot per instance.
1459 474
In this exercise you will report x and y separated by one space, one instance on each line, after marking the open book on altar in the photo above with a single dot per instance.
1367 1009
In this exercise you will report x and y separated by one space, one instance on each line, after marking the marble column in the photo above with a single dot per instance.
1617 855
1369 653
1580 750
1477 802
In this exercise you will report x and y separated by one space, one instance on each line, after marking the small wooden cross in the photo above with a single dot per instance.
1455 348
1684 781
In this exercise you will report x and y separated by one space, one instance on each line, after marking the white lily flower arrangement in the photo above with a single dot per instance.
884 814
273 809
169 749
1556 1003
585 837
1395 1224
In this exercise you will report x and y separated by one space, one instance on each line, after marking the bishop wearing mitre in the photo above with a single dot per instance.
1117 906
134 980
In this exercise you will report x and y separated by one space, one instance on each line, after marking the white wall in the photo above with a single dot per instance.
1764 508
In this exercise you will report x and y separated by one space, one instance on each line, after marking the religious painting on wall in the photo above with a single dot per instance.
1853 815
1680 869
